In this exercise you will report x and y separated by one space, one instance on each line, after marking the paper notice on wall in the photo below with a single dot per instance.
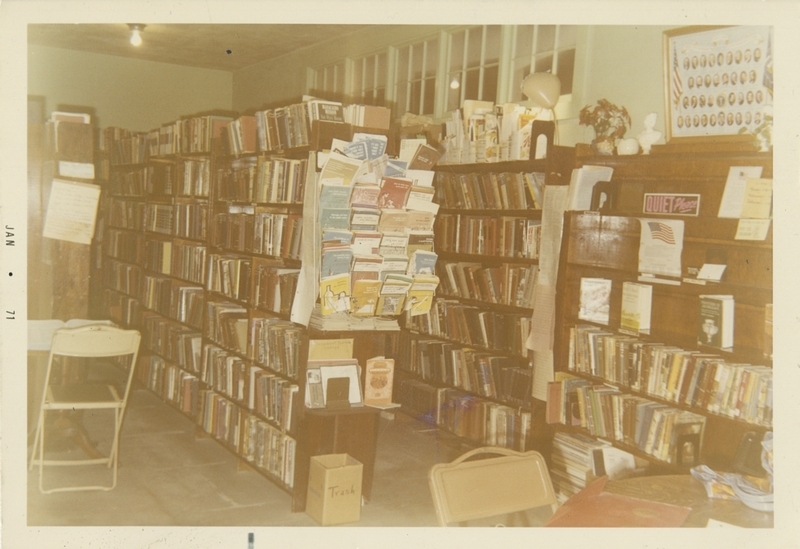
71 211
305 295
542 373
540 337
733 196
660 247
555 203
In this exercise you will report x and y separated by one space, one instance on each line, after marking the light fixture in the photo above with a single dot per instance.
454 83
542 88
136 33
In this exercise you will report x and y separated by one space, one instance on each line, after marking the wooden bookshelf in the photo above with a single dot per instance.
605 245
465 367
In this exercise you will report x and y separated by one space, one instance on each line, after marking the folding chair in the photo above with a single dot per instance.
509 482
92 341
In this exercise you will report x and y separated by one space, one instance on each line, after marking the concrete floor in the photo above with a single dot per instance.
169 476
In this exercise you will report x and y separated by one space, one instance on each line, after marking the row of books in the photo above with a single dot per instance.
179 344
572 462
290 126
263 180
158 218
669 434
227 325
262 444
124 245
229 275
702 380
131 149
473 325
123 277
484 374
170 382
184 259
481 131
257 231
490 190
506 284
269 449
131 183
189 135
274 397
465 415
122 309
189 177
275 344
126 214
226 373
174 299
106 137
190 220
505 236
274 287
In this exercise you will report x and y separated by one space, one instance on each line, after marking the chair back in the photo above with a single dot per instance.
509 482
95 340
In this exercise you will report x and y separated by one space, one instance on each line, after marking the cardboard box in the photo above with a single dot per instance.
334 489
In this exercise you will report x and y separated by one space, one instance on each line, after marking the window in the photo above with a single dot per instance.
369 79
483 62
329 81
473 65
415 77
543 48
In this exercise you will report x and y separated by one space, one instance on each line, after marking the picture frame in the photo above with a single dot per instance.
718 82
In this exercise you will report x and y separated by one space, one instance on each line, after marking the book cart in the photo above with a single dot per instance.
664 395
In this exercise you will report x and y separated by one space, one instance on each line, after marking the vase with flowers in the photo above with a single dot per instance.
609 121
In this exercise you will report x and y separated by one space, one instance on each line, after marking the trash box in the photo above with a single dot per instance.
334 489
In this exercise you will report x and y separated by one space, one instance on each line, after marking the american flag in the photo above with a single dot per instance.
677 83
661 231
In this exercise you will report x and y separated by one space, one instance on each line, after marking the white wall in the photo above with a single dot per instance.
621 63
129 93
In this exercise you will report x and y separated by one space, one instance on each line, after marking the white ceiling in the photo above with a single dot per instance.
220 47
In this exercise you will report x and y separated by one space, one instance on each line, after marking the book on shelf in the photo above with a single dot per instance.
335 293
378 381
376 144
365 296
636 308
424 158
420 294
394 193
595 295
341 169
581 184
325 110
715 321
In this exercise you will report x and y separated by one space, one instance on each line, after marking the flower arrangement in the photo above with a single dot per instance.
609 121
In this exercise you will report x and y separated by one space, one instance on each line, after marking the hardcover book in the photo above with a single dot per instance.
636 307
378 381
594 300
715 321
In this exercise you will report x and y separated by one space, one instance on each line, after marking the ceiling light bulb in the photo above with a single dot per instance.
136 34
454 84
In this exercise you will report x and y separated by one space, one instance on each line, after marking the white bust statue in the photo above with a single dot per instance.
649 135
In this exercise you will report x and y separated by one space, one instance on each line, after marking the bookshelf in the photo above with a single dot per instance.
708 397
464 366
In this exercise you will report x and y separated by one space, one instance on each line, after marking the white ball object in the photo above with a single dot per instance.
628 146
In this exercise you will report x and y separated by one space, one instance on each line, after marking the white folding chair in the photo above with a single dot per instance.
91 341
506 483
